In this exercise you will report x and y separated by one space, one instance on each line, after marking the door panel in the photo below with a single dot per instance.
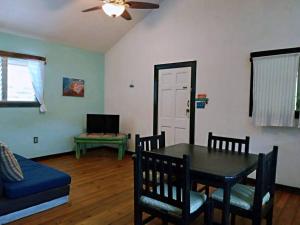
181 76
174 104
169 134
180 135
167 103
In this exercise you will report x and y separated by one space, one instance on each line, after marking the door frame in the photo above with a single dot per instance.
193 65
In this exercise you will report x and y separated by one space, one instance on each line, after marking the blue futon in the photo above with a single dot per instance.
43 187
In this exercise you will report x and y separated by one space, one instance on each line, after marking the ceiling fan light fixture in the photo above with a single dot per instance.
113 10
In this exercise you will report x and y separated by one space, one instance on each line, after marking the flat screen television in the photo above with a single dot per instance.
102 123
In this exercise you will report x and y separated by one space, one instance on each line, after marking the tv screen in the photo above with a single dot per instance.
102 123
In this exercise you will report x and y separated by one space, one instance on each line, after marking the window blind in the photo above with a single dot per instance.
275 79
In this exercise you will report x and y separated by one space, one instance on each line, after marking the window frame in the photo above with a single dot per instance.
268 53
19 104
24 57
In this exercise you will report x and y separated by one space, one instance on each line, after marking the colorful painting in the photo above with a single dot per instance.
73 87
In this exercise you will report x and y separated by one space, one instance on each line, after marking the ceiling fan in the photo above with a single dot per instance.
116 8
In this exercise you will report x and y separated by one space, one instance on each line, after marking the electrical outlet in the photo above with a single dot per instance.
35 140
129 136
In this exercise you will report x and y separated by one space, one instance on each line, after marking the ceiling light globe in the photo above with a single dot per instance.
113 10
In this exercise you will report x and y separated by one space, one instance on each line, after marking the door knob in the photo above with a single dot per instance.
187 111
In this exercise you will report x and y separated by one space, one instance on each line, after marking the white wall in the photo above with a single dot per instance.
219 34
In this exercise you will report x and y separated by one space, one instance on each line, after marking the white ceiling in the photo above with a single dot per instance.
62 21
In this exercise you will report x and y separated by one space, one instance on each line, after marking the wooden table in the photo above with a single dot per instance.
215 168
99 138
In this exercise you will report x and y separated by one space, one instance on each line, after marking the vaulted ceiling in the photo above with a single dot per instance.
62 21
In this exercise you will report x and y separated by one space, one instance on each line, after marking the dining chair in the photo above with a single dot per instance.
150 142
222 143
171 202
228 143
256 202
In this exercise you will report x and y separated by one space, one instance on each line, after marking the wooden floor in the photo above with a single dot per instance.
102 194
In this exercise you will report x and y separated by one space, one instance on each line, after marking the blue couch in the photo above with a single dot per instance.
42 188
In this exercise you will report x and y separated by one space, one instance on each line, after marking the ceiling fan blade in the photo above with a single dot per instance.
142 5
92 9
126 15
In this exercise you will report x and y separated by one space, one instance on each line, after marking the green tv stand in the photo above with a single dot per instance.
99 138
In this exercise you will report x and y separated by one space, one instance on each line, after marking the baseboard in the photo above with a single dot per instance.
33 210
73 153
279 187
52 156
129 152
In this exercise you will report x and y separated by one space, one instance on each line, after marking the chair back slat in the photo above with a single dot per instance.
265 176
171 173
161 177
154 174
151 142
228 144
162 140
233 143
147 173
147 147
169 180
214 144
177 184
220 144
240 147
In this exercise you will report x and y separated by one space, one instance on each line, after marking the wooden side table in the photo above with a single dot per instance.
100 138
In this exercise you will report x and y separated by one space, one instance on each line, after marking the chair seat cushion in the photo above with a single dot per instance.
37 178
197 199
242 196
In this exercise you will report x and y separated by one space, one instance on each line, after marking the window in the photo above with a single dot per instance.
275 87
16 83
21 80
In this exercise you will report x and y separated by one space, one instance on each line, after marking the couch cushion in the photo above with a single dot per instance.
10 168
37 178
241 196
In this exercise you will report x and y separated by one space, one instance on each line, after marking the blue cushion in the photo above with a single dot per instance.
241 196
37 178
197 199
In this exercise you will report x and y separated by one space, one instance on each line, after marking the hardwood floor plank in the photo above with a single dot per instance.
296 219
102 194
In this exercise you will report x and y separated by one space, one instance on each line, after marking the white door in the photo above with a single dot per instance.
174 104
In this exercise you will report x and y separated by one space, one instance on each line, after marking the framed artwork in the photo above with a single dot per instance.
73 87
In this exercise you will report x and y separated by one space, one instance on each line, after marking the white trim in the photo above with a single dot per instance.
32 210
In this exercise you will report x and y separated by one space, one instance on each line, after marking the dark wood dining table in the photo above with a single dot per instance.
221 169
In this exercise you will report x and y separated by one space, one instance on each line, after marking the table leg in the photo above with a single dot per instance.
120 151
77 149
84 149
124 149
226 202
